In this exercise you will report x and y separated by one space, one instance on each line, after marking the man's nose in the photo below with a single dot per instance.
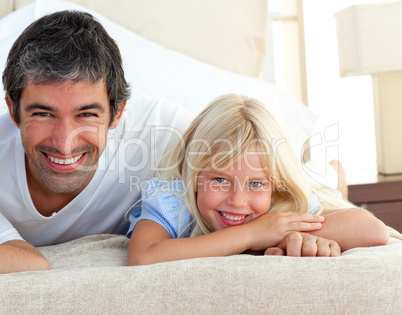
65 136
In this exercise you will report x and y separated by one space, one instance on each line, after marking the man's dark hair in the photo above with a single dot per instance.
66 45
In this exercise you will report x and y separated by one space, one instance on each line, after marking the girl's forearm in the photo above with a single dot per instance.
221 243
352 228
151 243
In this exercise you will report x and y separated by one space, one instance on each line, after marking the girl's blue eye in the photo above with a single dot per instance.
220 180
255 184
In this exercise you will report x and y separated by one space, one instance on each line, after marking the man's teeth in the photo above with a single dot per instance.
65 162
232 217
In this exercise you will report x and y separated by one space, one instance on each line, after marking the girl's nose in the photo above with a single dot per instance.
238 198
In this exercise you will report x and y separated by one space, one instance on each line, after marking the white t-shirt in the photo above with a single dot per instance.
148 128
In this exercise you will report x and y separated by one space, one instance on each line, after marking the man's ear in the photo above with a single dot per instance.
10 109
118 115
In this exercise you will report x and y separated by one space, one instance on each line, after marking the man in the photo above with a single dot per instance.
72 160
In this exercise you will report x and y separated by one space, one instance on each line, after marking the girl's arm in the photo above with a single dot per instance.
354 227
151 243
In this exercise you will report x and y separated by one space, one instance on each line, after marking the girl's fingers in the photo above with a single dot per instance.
324 248
310 247
274 251
304 226
304 217
293 244
335 249
312 218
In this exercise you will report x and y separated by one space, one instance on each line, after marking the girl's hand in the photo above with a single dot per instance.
304 244
271 228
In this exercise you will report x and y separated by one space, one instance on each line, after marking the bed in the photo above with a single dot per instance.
183 53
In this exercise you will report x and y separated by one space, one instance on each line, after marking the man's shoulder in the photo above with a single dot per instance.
8 130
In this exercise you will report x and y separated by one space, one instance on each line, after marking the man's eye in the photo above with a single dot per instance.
41 114
88 115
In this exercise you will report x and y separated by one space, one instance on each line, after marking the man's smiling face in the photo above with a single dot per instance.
64 129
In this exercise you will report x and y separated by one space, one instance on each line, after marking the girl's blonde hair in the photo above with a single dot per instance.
230 126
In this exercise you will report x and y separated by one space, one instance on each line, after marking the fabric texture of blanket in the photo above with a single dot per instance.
90 276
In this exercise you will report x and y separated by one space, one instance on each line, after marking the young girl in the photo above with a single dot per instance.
233 185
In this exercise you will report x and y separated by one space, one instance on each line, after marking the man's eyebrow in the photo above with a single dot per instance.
36 106
91 106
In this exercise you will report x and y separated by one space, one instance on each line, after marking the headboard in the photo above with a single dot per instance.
235 50
234 35
230 34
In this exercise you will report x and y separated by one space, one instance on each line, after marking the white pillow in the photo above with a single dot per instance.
229 34
157 71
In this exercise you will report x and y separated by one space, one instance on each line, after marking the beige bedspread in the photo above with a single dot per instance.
89 276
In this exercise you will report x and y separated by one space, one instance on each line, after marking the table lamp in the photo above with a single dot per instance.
370 42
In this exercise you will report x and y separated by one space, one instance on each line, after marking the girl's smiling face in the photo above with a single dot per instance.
235 195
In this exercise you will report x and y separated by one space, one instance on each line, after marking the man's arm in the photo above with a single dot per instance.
18 255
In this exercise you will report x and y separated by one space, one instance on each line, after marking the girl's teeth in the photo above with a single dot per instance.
65 162
232 217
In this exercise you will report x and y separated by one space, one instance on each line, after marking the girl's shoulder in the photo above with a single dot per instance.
161 193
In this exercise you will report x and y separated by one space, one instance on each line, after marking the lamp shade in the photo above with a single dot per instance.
370 38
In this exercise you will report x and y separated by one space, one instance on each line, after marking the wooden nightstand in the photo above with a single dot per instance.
382 196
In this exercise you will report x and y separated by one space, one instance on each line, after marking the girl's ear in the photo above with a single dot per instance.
9 103
118 115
